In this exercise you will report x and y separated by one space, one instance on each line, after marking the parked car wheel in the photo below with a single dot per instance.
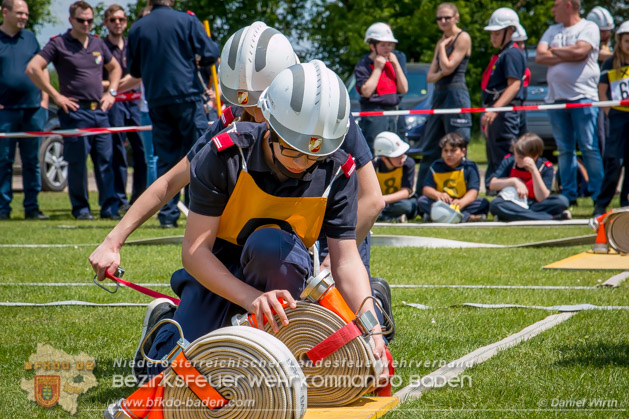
54 169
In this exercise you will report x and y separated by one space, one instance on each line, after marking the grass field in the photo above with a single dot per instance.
584 359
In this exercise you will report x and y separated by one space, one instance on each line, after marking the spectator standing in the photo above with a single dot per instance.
603 19
380 80
614 85
22 108
79 59
447 72
503 85
520 37
570 49
123 114
163 50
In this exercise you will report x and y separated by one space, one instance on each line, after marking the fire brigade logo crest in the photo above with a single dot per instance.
243 98
47 390
315 144
98 59
59 378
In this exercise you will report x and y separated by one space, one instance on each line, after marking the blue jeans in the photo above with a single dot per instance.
149 152
552 206
15 120
572 127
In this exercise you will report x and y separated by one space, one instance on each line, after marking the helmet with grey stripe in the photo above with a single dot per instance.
307 105
250 60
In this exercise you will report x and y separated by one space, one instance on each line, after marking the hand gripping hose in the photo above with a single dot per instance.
344 375
251 369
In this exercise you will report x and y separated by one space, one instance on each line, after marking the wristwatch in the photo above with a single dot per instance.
113 92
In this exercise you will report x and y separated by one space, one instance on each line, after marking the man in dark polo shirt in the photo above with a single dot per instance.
123 114
162 50
22 108
79 59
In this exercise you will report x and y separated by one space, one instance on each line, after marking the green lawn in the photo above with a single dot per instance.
584 358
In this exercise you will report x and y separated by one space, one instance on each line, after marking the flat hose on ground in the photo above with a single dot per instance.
341 378
252 369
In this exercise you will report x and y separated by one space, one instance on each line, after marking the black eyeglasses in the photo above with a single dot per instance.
290 152
84 21
443 18
117 19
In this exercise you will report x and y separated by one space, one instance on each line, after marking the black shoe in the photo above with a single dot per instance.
382 292
574 203
5 215
110 217
159 309
35 215
85 216
169 225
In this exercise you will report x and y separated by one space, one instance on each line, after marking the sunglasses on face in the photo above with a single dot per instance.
290 152
84 21
443 18
117 19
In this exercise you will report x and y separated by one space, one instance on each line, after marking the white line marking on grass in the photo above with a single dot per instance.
24 245
440 377
71 303
564 308
68 284
615 280
384 240
523 287
488 224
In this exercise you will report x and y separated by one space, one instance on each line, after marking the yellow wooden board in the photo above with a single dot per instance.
594 261
364 408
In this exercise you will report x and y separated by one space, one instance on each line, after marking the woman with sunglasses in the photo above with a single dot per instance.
259 196
447 72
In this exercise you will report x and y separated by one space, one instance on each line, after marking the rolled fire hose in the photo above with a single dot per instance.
252 369
617 229
342 377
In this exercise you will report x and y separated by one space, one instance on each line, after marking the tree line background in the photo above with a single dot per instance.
333 31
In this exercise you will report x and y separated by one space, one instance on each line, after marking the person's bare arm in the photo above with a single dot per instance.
467 199
371 84
128 82
461 48
497 184
544 56
115 72
435 195
602 95
572 53
434 72
205 267
36 71
513 86
540 190
400 77
107 255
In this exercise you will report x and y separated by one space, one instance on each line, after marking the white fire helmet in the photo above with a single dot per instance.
250 60
389 144
502 18
380 32
307 105
520 34
440 212
602 18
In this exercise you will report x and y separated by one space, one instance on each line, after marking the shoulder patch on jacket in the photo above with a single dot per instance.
227 117
349 166
548 164
223 141
190 12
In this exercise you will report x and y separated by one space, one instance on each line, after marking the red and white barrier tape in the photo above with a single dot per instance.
96 131
74 132
128 97
501 109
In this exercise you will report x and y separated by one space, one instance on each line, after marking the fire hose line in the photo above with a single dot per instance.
342 377
617 228
252 369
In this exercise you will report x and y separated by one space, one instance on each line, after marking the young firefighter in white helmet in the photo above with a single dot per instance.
502 85
242 82
380 80
396 175
605 23
260 194
520 37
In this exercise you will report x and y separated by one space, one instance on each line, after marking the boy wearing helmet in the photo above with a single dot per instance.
605 23
396 175
503 85
454 179
380 80
260 194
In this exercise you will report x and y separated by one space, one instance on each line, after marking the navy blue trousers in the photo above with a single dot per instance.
120 115
480 206
506 128
406 207
545 210
15 120
176 127
75 152
616 157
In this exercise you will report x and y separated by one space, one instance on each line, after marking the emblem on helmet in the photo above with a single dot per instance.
243 98
315 145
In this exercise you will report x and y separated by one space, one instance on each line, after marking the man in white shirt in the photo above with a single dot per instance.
570 49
